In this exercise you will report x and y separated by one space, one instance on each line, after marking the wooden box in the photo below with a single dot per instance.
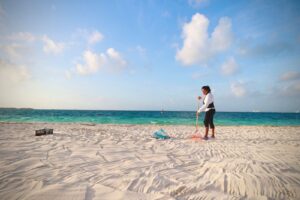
44 131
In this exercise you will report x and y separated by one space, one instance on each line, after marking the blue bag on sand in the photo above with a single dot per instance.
161 134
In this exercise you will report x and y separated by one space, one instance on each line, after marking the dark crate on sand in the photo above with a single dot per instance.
44 131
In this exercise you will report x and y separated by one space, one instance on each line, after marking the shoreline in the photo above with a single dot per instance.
110 124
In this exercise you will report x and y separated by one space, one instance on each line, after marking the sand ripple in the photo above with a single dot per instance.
81 161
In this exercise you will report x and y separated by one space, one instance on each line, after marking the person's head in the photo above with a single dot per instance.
205 89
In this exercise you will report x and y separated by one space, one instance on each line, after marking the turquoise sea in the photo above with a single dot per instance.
146 117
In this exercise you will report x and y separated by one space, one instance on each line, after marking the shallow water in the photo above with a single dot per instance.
146 117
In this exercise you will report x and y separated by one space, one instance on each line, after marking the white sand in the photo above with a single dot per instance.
124 162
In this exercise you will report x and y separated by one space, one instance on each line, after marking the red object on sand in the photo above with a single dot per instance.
196 136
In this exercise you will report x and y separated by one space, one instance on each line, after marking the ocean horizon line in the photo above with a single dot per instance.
140 110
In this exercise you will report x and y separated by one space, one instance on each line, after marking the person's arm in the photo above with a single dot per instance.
207 101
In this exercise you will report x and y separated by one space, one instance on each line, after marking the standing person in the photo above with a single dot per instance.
209 109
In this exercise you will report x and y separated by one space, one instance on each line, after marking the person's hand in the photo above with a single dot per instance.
199 97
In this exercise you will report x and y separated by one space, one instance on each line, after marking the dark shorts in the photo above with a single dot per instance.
209 118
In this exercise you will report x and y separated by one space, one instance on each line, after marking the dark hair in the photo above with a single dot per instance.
207 88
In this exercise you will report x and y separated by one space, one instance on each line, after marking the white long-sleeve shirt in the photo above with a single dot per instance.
208 99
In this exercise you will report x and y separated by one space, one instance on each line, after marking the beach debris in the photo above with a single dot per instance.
161 134
44 131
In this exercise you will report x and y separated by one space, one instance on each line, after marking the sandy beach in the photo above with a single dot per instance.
87 161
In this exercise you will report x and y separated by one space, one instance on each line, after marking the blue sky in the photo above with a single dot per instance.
150 55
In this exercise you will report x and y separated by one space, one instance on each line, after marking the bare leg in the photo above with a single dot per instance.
206 132
213 132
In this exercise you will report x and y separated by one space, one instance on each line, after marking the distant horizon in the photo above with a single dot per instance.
135 110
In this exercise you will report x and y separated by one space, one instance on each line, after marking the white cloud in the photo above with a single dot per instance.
222 36
195 41
198 46
95 37
229 67
12 74
23 36
291 86
292 89
91 37
14 50
92 62
291 75
238 89
115 58
52 47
